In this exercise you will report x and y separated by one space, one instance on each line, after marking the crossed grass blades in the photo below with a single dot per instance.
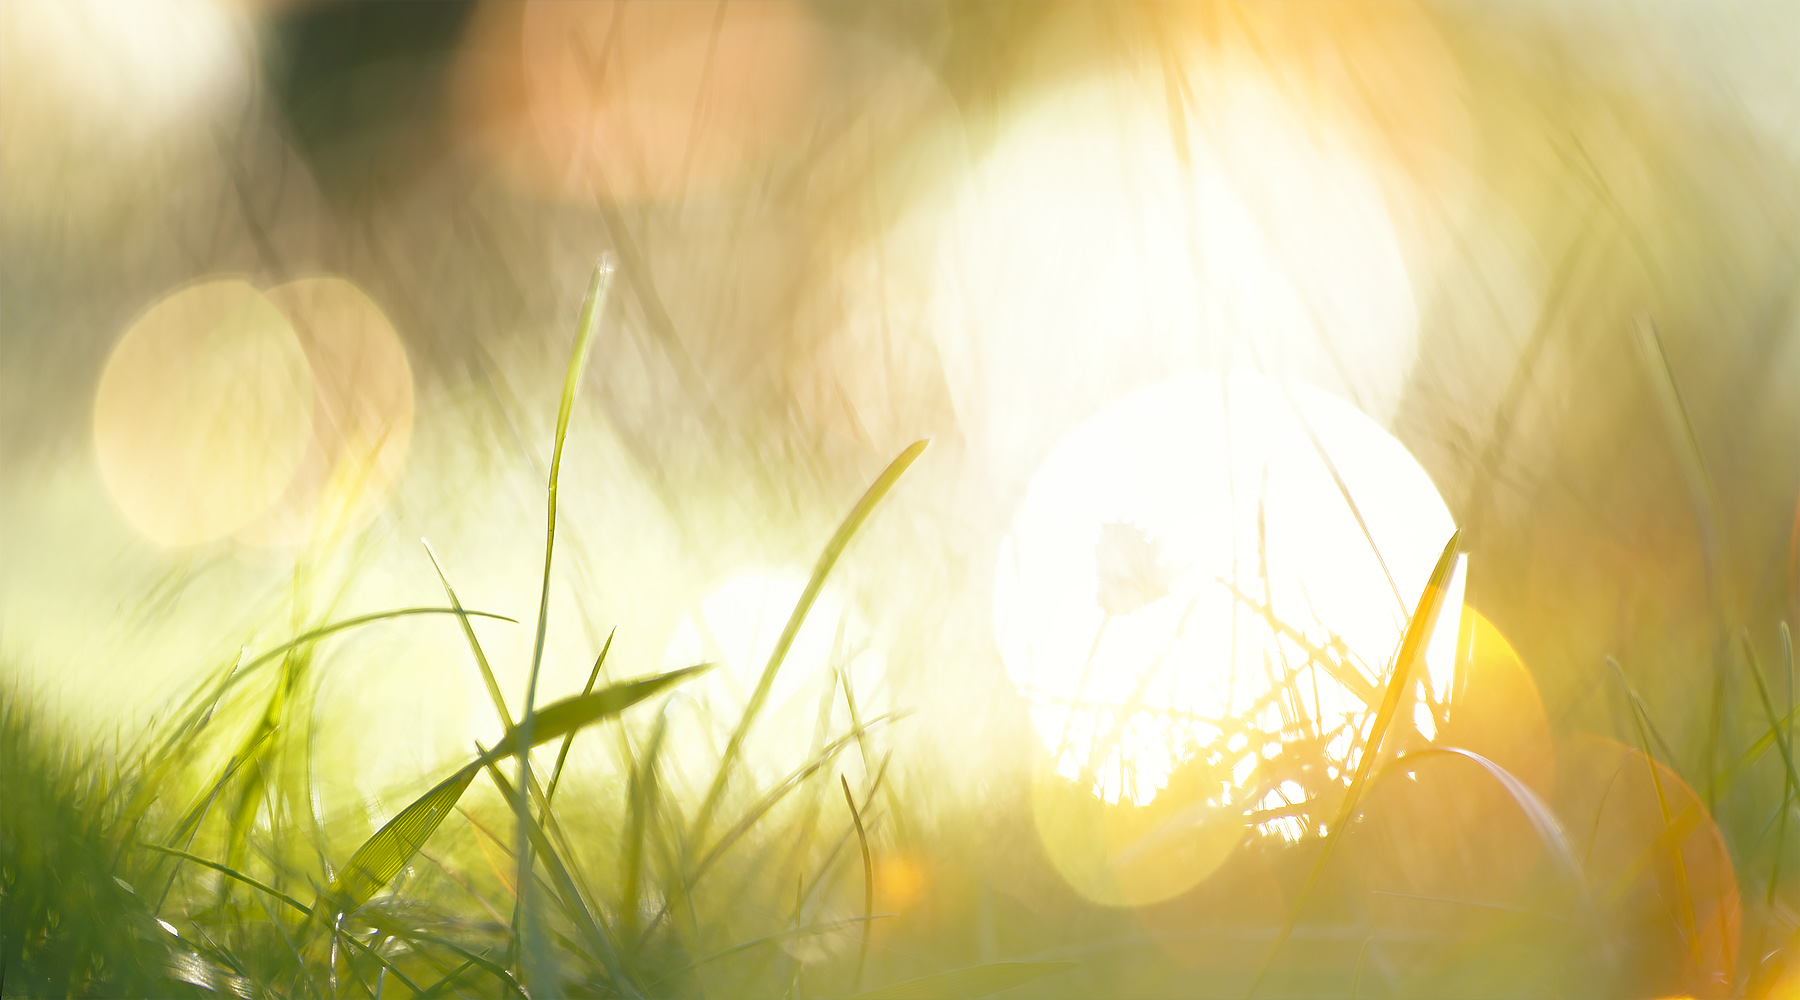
107 858
91 861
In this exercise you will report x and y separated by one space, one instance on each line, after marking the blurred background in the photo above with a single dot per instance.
1184 295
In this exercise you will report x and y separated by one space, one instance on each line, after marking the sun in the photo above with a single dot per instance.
1214 573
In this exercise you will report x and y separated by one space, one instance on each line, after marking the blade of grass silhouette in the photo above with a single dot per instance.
382 856
468 629
743 946
1640 717
1543 819
780 791
228 872
573 903
312 635
1343 673
762 807
827 559
380 921
1641 720
572 714
387 851
275 893
968 984
437 989
862 838
1790 780
1412 648
1775 725
593 307
562 756
1343 491
641 796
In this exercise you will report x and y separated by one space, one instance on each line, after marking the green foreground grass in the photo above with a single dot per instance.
196 862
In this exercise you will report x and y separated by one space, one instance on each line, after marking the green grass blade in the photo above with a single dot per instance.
229 872
569 896
562 756
862 838
1640 717
593 307
1775 723
642 793
235 677
468 629
437 989
566 717
968 984
382 856
1543 819
1412 649
793 781
827 559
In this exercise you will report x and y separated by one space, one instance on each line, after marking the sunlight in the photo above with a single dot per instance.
1109 241
1130 596
737 626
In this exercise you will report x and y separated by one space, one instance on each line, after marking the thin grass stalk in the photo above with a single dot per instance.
592 310
598 938
862 838
1684 892
562 755
1412 648
468 630
827 559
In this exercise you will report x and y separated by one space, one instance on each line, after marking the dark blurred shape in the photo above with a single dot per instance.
362 83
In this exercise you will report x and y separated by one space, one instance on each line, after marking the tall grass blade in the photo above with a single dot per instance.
642 794
780 792
562 755
468 629
968 984
568 895
1543 820
862 837
1685 899
228 872
1412 648
382 856
235 677
827 559
593 307
570 715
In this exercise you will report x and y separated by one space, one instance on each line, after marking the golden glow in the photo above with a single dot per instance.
1129 596
1656 864
1098 249
737 626
204 413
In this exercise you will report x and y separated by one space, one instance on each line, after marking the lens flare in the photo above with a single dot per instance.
1216 568
831 661
1091 253
204 413
362 413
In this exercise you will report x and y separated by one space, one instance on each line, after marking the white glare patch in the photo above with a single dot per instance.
1134 597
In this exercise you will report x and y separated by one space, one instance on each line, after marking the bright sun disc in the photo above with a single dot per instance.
1218 569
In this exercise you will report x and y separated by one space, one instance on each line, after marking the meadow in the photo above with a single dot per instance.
754 500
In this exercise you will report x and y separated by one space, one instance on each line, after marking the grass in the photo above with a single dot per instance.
195 861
